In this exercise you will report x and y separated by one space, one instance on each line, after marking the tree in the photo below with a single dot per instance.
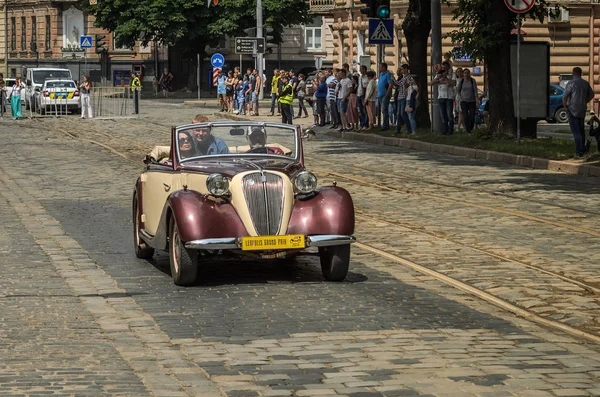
191 24
416 27
484 33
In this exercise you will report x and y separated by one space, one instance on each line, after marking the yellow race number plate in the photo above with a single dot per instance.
291 241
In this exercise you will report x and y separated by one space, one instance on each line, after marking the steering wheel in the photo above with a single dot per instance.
259 149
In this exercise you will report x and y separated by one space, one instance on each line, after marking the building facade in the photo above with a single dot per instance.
573 32
46 33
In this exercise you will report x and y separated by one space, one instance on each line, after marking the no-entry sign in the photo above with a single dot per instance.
519 6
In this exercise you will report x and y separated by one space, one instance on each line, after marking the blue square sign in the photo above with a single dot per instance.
85 42
381 31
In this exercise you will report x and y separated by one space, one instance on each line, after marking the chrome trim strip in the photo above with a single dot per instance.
329 240
213 244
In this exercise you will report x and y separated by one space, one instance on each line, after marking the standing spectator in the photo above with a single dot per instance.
229 87
15 99
240 91
457 100
274 87
321 97
384 92
136 87
165 82
344 95
352 105
401 90
575 98
371 99
2 95
467 90
286 97
331 98
301 93
86 103
294 82
363 80
445 85
412 93
222 90
256 91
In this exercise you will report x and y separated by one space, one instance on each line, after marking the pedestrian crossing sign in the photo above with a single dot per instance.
381 31
85 42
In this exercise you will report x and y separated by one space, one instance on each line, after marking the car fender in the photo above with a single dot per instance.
200 216
329 211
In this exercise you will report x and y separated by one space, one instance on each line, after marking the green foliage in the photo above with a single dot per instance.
481 31
191 24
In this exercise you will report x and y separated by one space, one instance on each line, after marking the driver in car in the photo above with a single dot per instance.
257 139
206 143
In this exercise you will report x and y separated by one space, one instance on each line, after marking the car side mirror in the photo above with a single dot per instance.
237 132
28 82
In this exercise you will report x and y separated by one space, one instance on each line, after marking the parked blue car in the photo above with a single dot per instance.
556 111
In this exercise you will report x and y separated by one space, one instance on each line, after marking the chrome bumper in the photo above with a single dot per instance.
229 243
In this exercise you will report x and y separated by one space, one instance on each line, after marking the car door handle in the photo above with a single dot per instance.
167 187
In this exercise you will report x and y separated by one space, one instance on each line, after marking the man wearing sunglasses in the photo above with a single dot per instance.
206 143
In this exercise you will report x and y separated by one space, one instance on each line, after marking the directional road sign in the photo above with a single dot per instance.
381 31
249 45
519 6
85 42
217 60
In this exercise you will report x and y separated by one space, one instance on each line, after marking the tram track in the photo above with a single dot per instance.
438 275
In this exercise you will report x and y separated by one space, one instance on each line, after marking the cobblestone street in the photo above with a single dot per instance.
81 315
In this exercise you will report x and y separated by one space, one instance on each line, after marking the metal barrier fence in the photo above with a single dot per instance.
106 102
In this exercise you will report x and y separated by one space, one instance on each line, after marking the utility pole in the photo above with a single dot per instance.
436 59
259 56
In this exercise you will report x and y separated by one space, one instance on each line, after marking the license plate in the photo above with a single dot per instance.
291 241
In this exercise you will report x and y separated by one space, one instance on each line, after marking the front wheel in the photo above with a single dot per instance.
142 250
184 263
561 115
335 262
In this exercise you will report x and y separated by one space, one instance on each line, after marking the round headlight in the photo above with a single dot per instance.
217 185
305 182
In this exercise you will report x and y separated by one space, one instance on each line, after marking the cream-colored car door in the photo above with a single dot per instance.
156 188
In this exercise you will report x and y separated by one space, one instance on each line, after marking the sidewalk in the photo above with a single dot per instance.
573 167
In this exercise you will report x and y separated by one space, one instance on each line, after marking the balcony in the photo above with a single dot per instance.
321 6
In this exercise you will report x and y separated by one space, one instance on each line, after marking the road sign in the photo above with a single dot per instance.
319 63
217 60
249 45
519 6
85 42
381 31
216 76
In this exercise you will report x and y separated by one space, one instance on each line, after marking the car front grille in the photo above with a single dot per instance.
264 198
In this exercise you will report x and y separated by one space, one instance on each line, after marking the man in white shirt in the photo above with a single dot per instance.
331 98
363 80
345 91
445 83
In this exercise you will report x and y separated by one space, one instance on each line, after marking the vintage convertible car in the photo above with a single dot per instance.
238 189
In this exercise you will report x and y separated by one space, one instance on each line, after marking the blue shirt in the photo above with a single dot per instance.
221 88
382 83
321 91
217 146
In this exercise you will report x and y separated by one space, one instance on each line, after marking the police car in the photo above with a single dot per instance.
58 96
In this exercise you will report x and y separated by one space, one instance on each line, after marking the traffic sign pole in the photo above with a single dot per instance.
519 78
259 34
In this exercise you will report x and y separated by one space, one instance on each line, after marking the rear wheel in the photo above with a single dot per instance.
184 263
142 250
335 262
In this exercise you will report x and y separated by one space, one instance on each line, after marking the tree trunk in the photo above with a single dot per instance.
502 114
416 28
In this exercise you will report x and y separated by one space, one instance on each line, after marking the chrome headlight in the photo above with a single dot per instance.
217 185
305 182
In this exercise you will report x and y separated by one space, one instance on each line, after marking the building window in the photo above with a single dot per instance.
122 47
23 33
33 34
13 34
47 44
313 35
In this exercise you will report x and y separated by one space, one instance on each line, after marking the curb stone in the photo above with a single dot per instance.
488 155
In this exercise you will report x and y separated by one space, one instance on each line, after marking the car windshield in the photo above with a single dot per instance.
206 140
39 76
60 84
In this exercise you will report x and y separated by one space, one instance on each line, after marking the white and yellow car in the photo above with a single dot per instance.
58 96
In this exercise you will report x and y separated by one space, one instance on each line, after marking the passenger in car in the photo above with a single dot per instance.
206 143
186 145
